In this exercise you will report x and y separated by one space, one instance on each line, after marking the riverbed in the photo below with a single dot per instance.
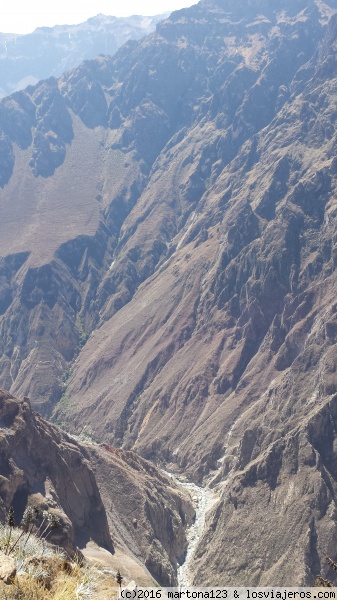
203 499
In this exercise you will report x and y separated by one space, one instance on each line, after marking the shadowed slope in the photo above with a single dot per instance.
102 495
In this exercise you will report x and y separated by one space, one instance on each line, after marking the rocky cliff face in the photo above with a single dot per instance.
49 51
146 512
190 183
110 497
40 465
289 489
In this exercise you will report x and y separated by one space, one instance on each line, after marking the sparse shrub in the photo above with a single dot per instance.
320 581
65 379
82 334
119 578
11 524
43 571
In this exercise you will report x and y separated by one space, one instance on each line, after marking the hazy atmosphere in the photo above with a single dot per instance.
23 17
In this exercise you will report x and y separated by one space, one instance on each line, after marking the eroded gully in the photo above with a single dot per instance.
203 499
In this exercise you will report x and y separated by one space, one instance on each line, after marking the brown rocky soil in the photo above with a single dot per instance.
104 497
169 252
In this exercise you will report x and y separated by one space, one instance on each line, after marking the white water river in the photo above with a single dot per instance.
203 499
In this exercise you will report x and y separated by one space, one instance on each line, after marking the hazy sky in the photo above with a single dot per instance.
23 16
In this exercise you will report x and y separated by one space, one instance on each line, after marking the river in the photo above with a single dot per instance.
203 499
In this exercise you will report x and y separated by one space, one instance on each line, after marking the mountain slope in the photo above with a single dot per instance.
101 495
190 183
49 51
232 264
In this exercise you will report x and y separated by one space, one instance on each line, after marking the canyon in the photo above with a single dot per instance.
141 518
168 273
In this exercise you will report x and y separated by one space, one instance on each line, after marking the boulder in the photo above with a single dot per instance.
7 568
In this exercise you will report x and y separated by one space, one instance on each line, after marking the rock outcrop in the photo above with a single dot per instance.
146 512
289 489
100 494
40 465
7 568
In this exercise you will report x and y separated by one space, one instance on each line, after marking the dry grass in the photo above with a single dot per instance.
45 572
77 584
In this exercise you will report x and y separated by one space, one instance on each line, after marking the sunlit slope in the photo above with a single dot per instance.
195 321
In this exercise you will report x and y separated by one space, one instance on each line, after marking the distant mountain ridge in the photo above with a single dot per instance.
49 51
